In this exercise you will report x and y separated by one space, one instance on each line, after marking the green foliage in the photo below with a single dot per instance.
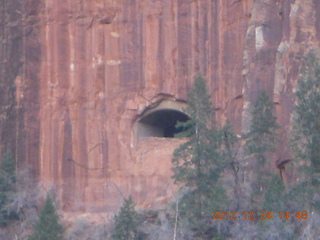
306 133
300 195
199 155
306 116
260 141
275 200
3 215
8 164
7 172
200 110
48 226
274 196
197 163
187 129
7 185
125 222
262 135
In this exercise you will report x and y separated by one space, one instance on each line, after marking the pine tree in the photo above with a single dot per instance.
262 135
306 116
274 196
48 226
197 163
3 218
275 200
260 141
306 130
8 164
125 222
7 180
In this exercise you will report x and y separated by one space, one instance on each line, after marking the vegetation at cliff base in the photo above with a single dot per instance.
197 163
7 186
48 226
218 173
125 223
260 144
306 133
261 137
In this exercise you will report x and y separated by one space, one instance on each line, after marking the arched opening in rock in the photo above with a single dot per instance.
161 123
161 119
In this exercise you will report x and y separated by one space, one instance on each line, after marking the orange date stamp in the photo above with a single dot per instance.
259 215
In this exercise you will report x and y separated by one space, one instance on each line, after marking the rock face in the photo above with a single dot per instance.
76 75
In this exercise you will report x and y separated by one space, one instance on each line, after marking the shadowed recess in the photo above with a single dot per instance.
161 123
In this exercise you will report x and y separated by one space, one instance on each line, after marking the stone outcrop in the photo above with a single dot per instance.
76 75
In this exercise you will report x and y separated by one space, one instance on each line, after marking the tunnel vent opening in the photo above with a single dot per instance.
161 123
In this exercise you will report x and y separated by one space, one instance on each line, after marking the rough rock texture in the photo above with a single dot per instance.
10 68
20 57
76 74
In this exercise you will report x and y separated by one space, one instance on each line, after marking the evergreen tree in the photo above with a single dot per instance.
275 200
48 226
261 139
197 163
8 164
306 130
7 180
125 222
274 196
3 199
306 116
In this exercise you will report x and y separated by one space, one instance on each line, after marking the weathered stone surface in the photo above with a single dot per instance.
91 67
277 38
10 67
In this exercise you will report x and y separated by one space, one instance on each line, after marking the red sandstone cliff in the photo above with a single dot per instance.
89 68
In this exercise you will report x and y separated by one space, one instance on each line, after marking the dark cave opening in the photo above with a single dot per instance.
161 123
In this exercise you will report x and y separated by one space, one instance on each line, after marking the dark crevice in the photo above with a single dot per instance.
161 123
